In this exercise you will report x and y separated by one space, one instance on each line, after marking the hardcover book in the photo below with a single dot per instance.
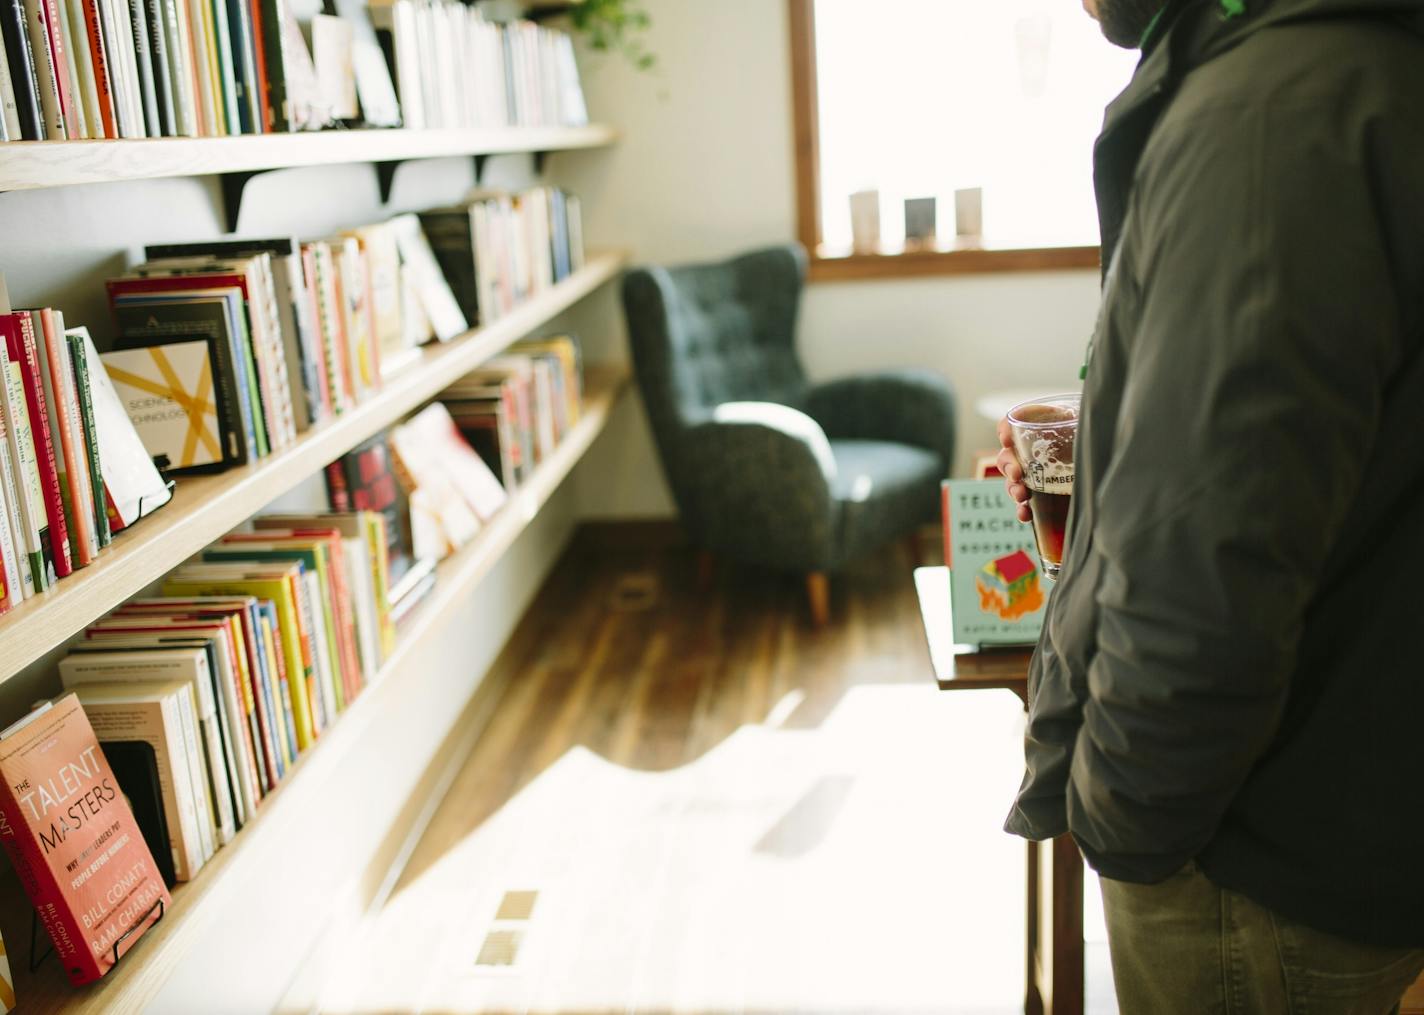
160 715
132 485
73 840
170 396
997 588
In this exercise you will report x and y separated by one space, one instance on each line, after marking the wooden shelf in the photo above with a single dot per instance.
206 507
237 868
29 165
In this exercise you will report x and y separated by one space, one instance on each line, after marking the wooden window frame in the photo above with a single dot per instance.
909 264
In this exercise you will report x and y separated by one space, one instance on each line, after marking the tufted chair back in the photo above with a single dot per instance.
712 333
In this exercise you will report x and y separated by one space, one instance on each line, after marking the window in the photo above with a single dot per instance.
926 98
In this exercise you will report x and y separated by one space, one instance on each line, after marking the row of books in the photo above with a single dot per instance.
440 477
454 68
516 408
91 69
73 471
246 657
497 248
187 708
224 352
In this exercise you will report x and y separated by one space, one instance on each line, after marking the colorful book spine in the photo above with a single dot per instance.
28 357
91 438
99 58
51 350
23 481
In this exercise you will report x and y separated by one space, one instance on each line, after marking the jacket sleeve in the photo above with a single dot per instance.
1268 326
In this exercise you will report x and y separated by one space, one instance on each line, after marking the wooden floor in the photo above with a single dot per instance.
691 801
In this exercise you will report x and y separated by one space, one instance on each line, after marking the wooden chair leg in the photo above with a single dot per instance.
818 595
706 569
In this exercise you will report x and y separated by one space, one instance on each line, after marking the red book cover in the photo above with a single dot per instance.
265 123
73 840
92 22
27 355
69 453
50 11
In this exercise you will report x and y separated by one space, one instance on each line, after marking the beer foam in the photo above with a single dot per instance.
1045 469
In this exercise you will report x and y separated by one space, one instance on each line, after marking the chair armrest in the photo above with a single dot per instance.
759 477
910 406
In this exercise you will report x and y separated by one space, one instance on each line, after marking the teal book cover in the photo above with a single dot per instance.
997 588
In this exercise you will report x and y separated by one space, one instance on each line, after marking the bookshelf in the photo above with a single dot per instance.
206 507
239 867
32 165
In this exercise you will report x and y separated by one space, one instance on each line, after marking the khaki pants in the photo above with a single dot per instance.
1186 947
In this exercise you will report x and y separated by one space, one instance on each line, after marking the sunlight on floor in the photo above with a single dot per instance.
858 866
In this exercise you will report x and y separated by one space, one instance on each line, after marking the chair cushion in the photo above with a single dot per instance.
884 490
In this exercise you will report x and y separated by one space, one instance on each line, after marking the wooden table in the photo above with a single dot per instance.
1054 953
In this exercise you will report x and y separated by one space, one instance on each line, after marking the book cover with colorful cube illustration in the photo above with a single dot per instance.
997 587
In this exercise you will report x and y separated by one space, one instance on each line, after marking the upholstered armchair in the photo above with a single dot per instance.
766 467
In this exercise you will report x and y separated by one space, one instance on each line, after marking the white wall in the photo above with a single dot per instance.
705 169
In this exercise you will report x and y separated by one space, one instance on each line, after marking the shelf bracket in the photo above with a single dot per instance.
480 161
233 185
386 178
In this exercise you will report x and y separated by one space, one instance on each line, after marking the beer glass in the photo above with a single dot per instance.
1043 432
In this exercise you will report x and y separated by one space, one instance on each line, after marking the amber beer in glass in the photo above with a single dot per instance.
1044 430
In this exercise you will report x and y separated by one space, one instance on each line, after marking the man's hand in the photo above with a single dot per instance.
1008 463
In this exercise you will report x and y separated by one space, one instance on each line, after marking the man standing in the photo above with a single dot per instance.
1227 704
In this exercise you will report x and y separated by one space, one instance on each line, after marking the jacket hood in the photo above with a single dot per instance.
1232 21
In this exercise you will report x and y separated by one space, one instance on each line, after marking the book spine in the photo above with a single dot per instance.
143 63
16 573
20 56
180 66
316 330
336 490
91 438
162 73
190 757
259 67
83 100
84 492
64 418
272 53
54 30
244 65
282 685
103 75
29 499
205 68
222 54
45 81
10 111
185 823
45 457
267 691
44 892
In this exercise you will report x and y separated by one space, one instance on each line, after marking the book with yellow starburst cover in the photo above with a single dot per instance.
171 394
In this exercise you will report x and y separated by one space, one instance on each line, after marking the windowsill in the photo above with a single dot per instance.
920 263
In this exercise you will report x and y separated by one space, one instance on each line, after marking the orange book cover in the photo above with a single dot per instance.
73 840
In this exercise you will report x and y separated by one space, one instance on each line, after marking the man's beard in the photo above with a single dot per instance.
1125 22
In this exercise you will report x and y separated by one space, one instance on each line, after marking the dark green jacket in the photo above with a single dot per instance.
1231 667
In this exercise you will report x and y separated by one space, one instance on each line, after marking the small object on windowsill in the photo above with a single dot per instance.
920 224
865 222
969 218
